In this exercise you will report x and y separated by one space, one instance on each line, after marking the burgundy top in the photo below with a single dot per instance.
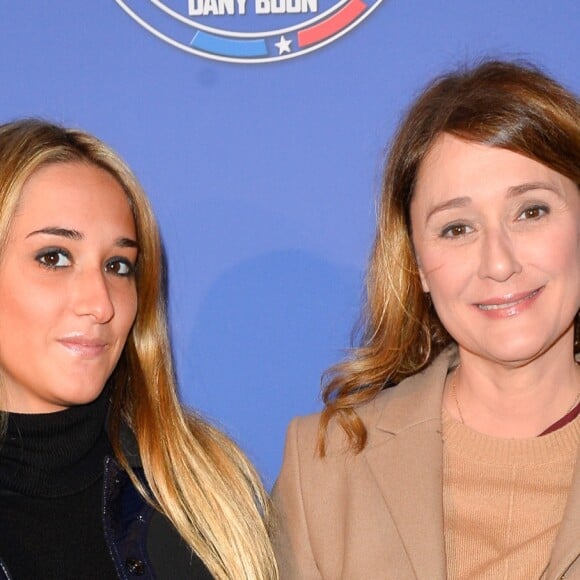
567 418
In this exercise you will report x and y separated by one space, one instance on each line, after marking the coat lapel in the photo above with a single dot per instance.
566 547
405 456
566 550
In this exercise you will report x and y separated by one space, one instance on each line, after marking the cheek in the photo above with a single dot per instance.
446 275
24 308
429 262
125 309
433 266
556 254
21 349
564 261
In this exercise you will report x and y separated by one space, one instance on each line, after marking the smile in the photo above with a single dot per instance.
511 304
508 304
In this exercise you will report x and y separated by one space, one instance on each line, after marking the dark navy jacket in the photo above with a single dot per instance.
142 542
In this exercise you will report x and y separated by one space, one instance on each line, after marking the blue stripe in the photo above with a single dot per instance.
227 46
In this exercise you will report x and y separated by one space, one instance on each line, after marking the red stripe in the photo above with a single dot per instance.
331 25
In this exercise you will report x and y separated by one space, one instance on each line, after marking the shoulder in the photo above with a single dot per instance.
169 553
138 533
415 400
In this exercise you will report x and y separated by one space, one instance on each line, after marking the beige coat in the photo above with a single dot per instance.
379 514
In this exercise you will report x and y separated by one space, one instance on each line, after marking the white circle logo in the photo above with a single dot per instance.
248 31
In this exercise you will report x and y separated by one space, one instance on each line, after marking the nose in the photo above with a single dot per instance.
92 297
498 256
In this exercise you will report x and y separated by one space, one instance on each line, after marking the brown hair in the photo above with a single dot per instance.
510 105
197 476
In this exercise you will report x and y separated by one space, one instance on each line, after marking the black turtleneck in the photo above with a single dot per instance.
51 472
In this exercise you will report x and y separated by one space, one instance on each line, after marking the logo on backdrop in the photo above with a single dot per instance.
248 31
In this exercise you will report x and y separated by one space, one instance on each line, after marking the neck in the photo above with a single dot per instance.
512 401
54 454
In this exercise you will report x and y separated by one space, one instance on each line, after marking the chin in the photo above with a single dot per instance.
518 354
83 396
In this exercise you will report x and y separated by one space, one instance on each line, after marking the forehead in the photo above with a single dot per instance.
454 167
74 194
453 158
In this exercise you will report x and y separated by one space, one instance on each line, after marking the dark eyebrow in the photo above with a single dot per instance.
126 243
77 236
62 232
525 187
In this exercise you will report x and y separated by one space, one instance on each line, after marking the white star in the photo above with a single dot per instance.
283 46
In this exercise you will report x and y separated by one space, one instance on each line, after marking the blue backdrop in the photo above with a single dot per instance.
263 176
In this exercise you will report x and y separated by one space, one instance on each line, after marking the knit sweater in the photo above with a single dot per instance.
51 468
503 500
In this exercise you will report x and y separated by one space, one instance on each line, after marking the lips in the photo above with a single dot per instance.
84 346
509 304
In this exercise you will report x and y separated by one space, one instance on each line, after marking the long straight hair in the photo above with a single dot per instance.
196 475
508 105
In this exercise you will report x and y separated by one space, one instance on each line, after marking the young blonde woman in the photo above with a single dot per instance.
103 474
448 444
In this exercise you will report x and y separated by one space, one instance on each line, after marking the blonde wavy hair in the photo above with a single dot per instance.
509 105
196 475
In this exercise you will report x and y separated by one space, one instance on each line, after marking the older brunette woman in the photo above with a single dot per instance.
102 473
448 444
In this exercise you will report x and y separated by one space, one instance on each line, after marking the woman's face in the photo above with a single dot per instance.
497 239
67 288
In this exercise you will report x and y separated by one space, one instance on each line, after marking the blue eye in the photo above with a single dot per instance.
54 258
120 267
